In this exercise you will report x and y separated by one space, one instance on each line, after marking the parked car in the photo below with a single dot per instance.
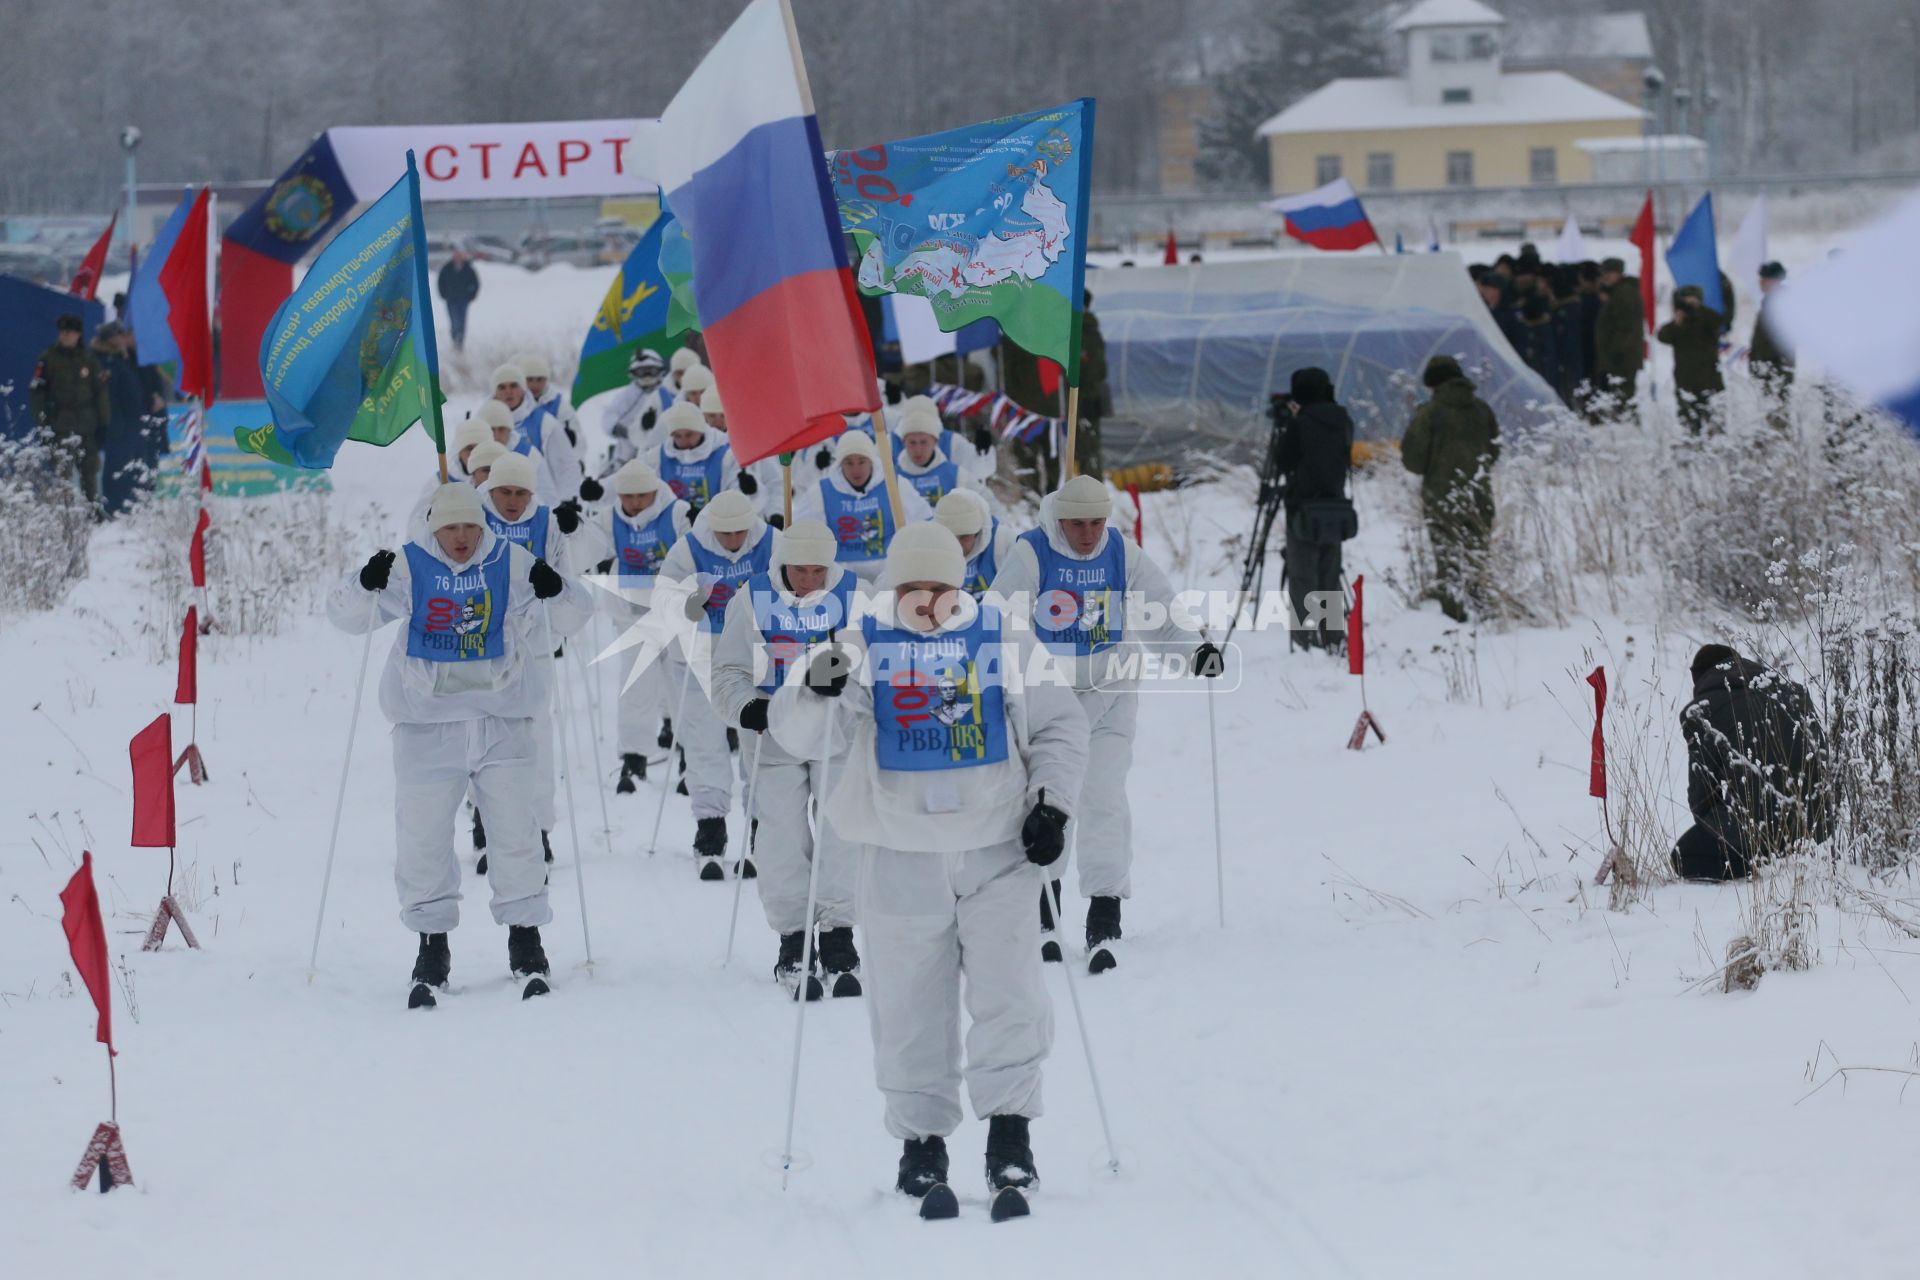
33 262
591 249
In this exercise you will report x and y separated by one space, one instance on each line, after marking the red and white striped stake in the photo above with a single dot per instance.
1357 665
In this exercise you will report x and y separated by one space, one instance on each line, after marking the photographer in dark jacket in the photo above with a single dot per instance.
1756 767
459 285
1316 452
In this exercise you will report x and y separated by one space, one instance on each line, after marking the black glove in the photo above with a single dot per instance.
567 514
754 715
1208 661
748 485
777 520
592 490
647 420
827 673
572 439
1044 833
982 438
546 582
823 459
605 566
374 575
894 393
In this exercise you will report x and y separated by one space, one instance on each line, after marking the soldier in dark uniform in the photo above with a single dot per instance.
1694 335
69 401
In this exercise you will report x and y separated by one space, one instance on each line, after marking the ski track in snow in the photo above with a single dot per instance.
1493 1081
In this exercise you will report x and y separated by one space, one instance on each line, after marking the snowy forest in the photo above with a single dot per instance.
235 89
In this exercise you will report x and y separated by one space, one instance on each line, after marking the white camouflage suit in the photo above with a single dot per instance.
946 894
784 782
461 725
1102 842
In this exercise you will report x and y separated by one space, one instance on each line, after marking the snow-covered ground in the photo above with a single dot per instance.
1420 1046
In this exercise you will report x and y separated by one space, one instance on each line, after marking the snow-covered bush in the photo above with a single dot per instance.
45 523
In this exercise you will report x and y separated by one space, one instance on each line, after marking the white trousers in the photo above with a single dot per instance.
638 725
1103 844
700 730
545 775
433 767
786 845
930 921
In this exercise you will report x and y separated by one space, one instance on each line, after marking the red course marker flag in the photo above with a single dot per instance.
1172 258
184 280
186 686
86 280
197 553
152 753
1642 239
1356 637
87 940
1597 769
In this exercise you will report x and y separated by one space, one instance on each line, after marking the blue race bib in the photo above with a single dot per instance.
939 702
1078 607
530 533
722 577
457 617
935 483
982 568
638 552
786 630
862 524
533 430
695 482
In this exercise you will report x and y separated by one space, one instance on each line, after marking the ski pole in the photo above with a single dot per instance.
1080 1020
806 955
739 881
595 743
679 712
346 761
561 706
1219 853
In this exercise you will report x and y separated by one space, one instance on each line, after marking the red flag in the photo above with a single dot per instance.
197 553
184 280
1172 258
186 687
1139 516
1356 638
87 940
1597 770
206 476
152 753
86 279
1642 239
252 287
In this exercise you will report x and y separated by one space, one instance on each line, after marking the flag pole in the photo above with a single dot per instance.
886 464
786 489
1070 465
430 392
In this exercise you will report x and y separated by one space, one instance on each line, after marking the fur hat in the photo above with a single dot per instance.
925 552
1082 498
69 324
1773 271
1709 657
856 444
1616 265
511 471
920 415
805 542
698 378
508 373
729 511
1310 386
471 431
961 512
485 454
683 415
454 504
636 477
533 365
1441 369
494 414
683 359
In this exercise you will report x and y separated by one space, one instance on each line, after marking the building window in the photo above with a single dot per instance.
1459 168
1543 164
1482 47
1456 95
1325 169
1445 46
1380 170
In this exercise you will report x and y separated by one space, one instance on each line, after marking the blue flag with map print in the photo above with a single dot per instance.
989 220
632 315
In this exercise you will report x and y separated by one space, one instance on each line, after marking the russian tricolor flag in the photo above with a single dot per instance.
1328 217
742 166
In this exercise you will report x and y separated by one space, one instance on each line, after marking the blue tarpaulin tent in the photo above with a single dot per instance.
27 316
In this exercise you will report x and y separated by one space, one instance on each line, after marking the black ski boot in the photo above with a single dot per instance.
746 868
479 843
528 960
665 740
1103 932
786 970
633 768
546 846
430 970
923 1166
1049 944
681 789
710 845
840 961
1010 1172
733 742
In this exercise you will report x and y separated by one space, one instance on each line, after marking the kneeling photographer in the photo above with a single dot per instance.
1315 455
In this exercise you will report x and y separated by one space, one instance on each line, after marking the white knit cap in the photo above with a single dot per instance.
636 477
961 512
472 431
805 542
683 415
855 444
710 405
454 504
729 511
533 365
698 378
683 359
511 471
494 414
1082 498
508 373
920 415
485 455
924 553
